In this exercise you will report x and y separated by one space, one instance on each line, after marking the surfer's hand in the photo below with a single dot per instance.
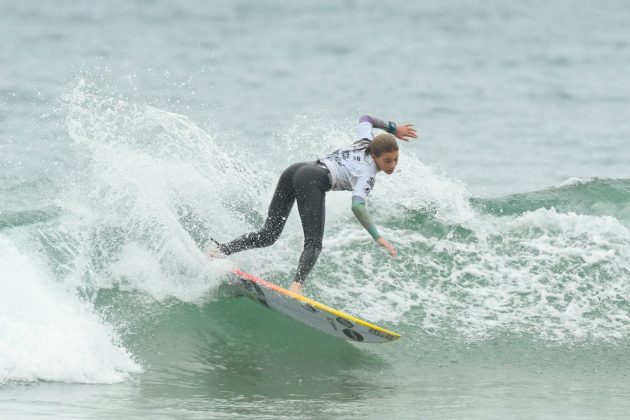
406 132
389 247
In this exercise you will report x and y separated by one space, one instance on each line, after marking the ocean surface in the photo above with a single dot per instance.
133 132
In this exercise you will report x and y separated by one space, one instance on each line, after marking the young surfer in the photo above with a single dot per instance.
352 168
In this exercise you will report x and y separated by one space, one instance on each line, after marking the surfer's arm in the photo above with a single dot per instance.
360 212
367 122
374 122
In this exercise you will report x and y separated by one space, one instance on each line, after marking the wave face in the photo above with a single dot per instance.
115 266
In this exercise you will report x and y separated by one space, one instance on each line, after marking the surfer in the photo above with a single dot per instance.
352 168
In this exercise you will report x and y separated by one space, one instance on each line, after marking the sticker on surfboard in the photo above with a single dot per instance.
310 312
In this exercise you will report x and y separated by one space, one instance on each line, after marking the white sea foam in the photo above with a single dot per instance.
572 181
147 167
47 333
417 186
553 275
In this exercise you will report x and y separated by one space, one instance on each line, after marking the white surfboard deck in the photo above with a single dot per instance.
310 312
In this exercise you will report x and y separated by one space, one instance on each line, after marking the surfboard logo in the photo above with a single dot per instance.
383 334
345 322
353 335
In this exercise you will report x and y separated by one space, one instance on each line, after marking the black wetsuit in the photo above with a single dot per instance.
306 183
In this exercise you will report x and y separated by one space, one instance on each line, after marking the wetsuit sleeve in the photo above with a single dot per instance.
361 213
366 123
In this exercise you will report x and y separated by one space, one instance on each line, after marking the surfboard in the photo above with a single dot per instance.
309 311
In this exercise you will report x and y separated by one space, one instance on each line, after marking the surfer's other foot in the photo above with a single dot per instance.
296 287
214 253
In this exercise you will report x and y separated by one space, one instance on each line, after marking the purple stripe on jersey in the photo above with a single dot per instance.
366 118
374 122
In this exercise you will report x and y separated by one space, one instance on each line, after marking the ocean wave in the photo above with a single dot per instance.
597 197
122 250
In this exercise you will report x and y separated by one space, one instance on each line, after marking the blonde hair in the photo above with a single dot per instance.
383 143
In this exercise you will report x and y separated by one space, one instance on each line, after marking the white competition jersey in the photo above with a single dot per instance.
351 169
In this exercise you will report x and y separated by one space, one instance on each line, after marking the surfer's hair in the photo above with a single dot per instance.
383 143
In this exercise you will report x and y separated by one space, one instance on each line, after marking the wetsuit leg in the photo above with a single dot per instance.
279 209
310 184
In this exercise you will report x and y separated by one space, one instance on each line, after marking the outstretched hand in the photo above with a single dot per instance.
406 132
389 247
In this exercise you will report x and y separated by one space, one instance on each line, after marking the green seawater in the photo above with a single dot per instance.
133 133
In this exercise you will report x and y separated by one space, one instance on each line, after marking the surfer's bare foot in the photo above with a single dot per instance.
296 287
215 253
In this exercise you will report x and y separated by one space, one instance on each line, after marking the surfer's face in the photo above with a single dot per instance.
387 162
